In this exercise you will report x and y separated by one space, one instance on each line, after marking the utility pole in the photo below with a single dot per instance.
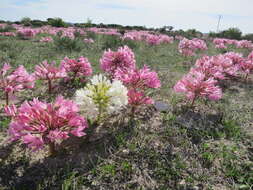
218 26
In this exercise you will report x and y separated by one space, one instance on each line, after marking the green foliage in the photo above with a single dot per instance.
108 170
193 33
38 23
56 22
26 21
111 42
248 37
66 43
231 33
91 35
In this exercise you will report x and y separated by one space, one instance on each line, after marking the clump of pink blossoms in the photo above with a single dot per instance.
250 56
196 85
122 59
14 81
26 33
138 78
138 81
49 72
246 66
189 47
38 123
121 66
219 66
77 68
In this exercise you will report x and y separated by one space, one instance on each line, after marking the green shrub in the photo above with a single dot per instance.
111 42
65 43
26 21
56 22
38 23
248 37
232 33
90 34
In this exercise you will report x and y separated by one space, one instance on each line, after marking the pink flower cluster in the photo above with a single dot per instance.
158 39
14 81
49 72
219 66
138 81
120 65
222 43
202 79
189 47
46 39
195 85
38 123
105 31
26 33
122 59
7 34
77 68
151 39
46 71
246 65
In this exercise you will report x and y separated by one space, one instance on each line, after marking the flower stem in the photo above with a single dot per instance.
49 86
7 98
133 111
193 101
246 77
52 151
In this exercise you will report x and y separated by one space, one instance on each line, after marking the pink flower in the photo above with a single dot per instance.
14 81
49 72
153 39
38 123
136 98
138 81
138 78
26 33
188 47
122 59
246 66
195 85
11 110
250 56
80 67
219 66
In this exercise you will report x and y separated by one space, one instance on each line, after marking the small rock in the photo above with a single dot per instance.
161 106
125 151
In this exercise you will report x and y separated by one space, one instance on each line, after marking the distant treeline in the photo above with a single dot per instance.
231 33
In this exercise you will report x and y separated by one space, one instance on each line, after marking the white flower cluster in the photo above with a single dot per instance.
101 96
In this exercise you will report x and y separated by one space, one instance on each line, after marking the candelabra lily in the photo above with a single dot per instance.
37 123
49 72
138 82
101 97
14 81
196 85
77 68
122 59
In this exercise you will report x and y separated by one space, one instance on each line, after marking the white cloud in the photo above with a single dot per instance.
185 14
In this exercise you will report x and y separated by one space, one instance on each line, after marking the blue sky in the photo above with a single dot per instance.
182 14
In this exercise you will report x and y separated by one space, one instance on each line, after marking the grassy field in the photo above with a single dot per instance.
208 147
